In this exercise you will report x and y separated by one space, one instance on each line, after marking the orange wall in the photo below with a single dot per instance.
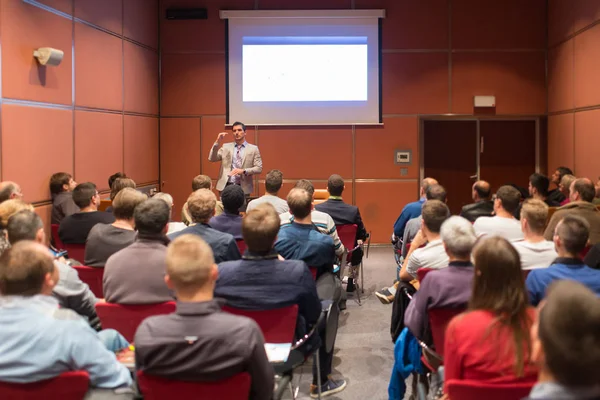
437 54
94 114
574 86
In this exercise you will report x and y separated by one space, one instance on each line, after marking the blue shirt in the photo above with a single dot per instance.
562 268
222 244
228 223
304 242
410 211
40 341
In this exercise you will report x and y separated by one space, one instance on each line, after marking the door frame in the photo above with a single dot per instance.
477 119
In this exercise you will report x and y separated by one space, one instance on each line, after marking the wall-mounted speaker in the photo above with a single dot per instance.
186 13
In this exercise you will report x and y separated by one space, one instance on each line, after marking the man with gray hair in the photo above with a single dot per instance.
10 190
445 287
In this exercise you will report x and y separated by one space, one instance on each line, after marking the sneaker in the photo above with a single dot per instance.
385 296
350 288
328 388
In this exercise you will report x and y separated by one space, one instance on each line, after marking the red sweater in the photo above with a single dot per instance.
473 353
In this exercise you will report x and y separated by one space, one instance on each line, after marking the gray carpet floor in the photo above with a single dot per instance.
364 352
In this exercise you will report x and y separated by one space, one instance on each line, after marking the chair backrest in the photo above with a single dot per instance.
321 194
93 277
54 232
75 251
585 251
421 272
347 234
313 272
277 326
241 245
127 318
71 385
438 322
474 390
156 388
551 211
104 204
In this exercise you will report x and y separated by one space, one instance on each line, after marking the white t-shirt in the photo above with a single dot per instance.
280 205
431 256
508 228
536 255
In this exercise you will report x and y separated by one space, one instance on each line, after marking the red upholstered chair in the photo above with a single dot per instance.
126 318
473 390
439 318
71 385
75 251
421 272
277 326
313 272
347 234
241 245
156 388
93 277
54 232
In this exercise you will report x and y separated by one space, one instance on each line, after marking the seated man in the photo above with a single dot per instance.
39 340
448 287
482 206
323 222
230 221
538 189
75 228
566 344
201 205
534 250
344 214
10 190
556 194
300 239
431 256
61 188
565 188
104 240
135 274
412 210
199 182
570 239
581 194
261 282
70 291
503 224
199 342
273 182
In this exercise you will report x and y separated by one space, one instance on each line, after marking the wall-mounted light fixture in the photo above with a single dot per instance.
48 56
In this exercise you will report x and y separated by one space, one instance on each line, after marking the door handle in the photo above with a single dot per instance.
473 177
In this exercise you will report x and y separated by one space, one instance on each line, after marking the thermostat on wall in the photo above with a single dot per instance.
403 157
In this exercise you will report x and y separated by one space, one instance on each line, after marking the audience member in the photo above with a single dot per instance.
504 223
412 210
490 342
482 206
40 340
596 200
447 287
345 214
534 250
9 191
273 182
167 198
538 189
117 185
135 274
556 194
106 239
199 342
199 182
230 221
570 238
61 188
75 228
432 256
201 205
114 177
300 240
592 258
581 195
566 344
9 208
565 187
323 222
261 282
70 291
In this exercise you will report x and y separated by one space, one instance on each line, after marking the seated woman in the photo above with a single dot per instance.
490 342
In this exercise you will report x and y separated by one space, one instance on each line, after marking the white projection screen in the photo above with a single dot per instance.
303 67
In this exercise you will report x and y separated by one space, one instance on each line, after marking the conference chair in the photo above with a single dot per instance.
439 318
347 235
474 390
75 251
236 387
55 238
126 318
71 385
321 195
93 277
421 272
241 245
104 204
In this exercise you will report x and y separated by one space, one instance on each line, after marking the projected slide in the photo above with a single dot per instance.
304 69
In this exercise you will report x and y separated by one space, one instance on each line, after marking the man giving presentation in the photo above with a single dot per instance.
239 160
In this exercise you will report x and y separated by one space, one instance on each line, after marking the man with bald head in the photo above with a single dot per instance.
412 210
483 206
581 194
10 190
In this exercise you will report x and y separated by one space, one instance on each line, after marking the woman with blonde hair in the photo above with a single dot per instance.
9 208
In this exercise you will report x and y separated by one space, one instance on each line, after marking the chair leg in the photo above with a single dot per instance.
362 278
319 383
